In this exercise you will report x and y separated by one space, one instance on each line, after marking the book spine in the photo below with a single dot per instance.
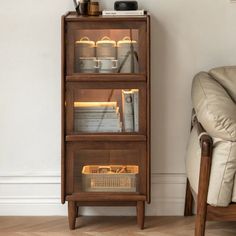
96 115
97 122
136 109
93 110
96 108
97 129
95 104
128 115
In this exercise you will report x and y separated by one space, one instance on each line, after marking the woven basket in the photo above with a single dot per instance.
104 179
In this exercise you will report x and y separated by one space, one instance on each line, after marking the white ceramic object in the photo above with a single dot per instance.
84 48
87 64
127 48
106 47
107 65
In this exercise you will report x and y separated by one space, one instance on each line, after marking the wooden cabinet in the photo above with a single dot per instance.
105 113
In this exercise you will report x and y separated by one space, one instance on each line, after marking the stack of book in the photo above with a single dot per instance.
130 104
97 117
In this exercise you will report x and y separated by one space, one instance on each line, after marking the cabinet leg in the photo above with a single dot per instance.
140 213
72 210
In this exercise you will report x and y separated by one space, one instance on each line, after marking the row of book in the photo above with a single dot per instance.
105 116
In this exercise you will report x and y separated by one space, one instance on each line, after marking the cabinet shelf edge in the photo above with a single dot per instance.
105 137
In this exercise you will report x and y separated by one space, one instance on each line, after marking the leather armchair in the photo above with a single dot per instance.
211 153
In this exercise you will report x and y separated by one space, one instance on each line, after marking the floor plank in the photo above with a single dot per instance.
109 226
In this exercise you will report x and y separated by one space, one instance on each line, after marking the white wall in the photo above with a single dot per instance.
187 36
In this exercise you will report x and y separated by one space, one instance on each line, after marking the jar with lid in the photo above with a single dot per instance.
106 48
127 55
84 48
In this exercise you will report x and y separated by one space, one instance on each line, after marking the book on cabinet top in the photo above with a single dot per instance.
123 13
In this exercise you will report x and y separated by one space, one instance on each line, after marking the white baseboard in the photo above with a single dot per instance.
39 194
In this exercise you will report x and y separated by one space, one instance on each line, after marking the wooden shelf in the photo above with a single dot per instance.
95 77
106 196
105 137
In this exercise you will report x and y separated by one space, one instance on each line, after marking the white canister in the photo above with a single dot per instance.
106 47
87 65
127 55
83 48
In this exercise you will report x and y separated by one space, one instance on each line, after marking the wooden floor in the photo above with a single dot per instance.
109 226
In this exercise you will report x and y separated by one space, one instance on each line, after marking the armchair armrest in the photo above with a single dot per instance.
205 139
206 144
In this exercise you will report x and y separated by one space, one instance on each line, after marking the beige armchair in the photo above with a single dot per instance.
211 154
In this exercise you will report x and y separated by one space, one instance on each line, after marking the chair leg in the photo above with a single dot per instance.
188 209
200 224
200 221
204 178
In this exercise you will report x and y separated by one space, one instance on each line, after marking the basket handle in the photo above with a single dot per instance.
104 167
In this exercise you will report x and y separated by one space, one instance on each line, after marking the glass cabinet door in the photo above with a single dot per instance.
105 110
105 48
106 167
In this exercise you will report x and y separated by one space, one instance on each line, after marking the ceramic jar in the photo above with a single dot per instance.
84 48
127 55
106 47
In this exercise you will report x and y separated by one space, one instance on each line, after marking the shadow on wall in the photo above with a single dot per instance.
164 87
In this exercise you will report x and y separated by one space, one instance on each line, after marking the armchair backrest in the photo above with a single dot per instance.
213 97
226 76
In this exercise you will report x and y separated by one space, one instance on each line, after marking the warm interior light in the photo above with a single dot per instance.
95 104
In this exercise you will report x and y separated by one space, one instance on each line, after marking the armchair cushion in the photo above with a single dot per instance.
214 107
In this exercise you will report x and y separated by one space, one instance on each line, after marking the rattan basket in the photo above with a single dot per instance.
97 178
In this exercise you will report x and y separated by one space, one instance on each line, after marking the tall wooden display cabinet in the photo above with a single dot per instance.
105 113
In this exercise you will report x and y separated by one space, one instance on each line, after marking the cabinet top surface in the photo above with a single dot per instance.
72 16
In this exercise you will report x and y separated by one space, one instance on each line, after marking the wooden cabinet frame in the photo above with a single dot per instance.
72 143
